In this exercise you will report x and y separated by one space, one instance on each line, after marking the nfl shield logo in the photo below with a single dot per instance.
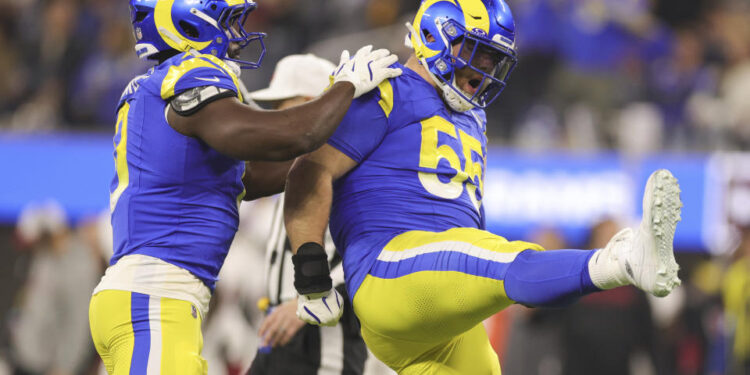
479 32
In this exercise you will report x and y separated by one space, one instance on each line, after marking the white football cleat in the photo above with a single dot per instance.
648 262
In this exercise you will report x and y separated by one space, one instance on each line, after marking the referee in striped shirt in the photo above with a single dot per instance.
289 345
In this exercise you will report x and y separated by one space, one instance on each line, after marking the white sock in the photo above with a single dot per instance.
605 272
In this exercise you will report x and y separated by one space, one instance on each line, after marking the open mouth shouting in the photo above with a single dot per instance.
468 81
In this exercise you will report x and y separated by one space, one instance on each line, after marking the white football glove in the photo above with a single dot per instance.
321 309
366 69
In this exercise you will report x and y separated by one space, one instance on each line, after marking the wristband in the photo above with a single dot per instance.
311 273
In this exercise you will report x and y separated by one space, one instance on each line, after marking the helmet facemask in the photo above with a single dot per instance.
232 23
486 64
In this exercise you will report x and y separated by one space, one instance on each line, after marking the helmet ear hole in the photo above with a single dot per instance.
428 36
189 29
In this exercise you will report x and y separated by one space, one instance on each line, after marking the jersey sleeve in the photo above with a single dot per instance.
363 128
199 71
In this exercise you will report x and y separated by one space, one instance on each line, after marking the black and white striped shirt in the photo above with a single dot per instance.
331 350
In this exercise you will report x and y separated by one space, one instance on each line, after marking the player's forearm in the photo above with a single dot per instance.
307 203
244 133
286 134
265 178
316 120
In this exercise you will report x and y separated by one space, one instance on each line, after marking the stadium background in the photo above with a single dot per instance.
605 92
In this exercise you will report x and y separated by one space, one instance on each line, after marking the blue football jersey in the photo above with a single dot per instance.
420 167
173 197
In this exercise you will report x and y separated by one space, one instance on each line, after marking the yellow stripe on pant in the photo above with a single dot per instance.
422 304
137 333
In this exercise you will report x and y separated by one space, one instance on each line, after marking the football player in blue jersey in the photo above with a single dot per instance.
404 197
182 139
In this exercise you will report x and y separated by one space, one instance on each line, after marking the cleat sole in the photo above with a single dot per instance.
665 213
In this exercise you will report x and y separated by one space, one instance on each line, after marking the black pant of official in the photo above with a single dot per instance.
302 354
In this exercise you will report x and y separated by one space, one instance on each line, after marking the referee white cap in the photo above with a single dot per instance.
38 218
296 75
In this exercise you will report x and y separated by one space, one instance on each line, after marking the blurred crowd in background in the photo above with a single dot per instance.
631 75
635 75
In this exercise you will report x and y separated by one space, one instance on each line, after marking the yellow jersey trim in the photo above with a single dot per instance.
202 61
244 191
386 97
121 162
229 71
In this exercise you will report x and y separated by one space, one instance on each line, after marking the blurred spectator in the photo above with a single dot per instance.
736 293
734 87
11 85
49 333
45 30
676 78
608 332
601 44
103 74
49 46
680 13
691 338
639 129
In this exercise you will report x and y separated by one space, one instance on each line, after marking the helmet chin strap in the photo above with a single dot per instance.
234 67
455 101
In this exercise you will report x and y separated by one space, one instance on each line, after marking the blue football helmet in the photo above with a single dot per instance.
479 34
207 26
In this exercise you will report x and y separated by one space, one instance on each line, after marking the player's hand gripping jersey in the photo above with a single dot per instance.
174 198
420 167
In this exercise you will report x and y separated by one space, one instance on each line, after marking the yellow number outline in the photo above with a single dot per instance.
430 155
